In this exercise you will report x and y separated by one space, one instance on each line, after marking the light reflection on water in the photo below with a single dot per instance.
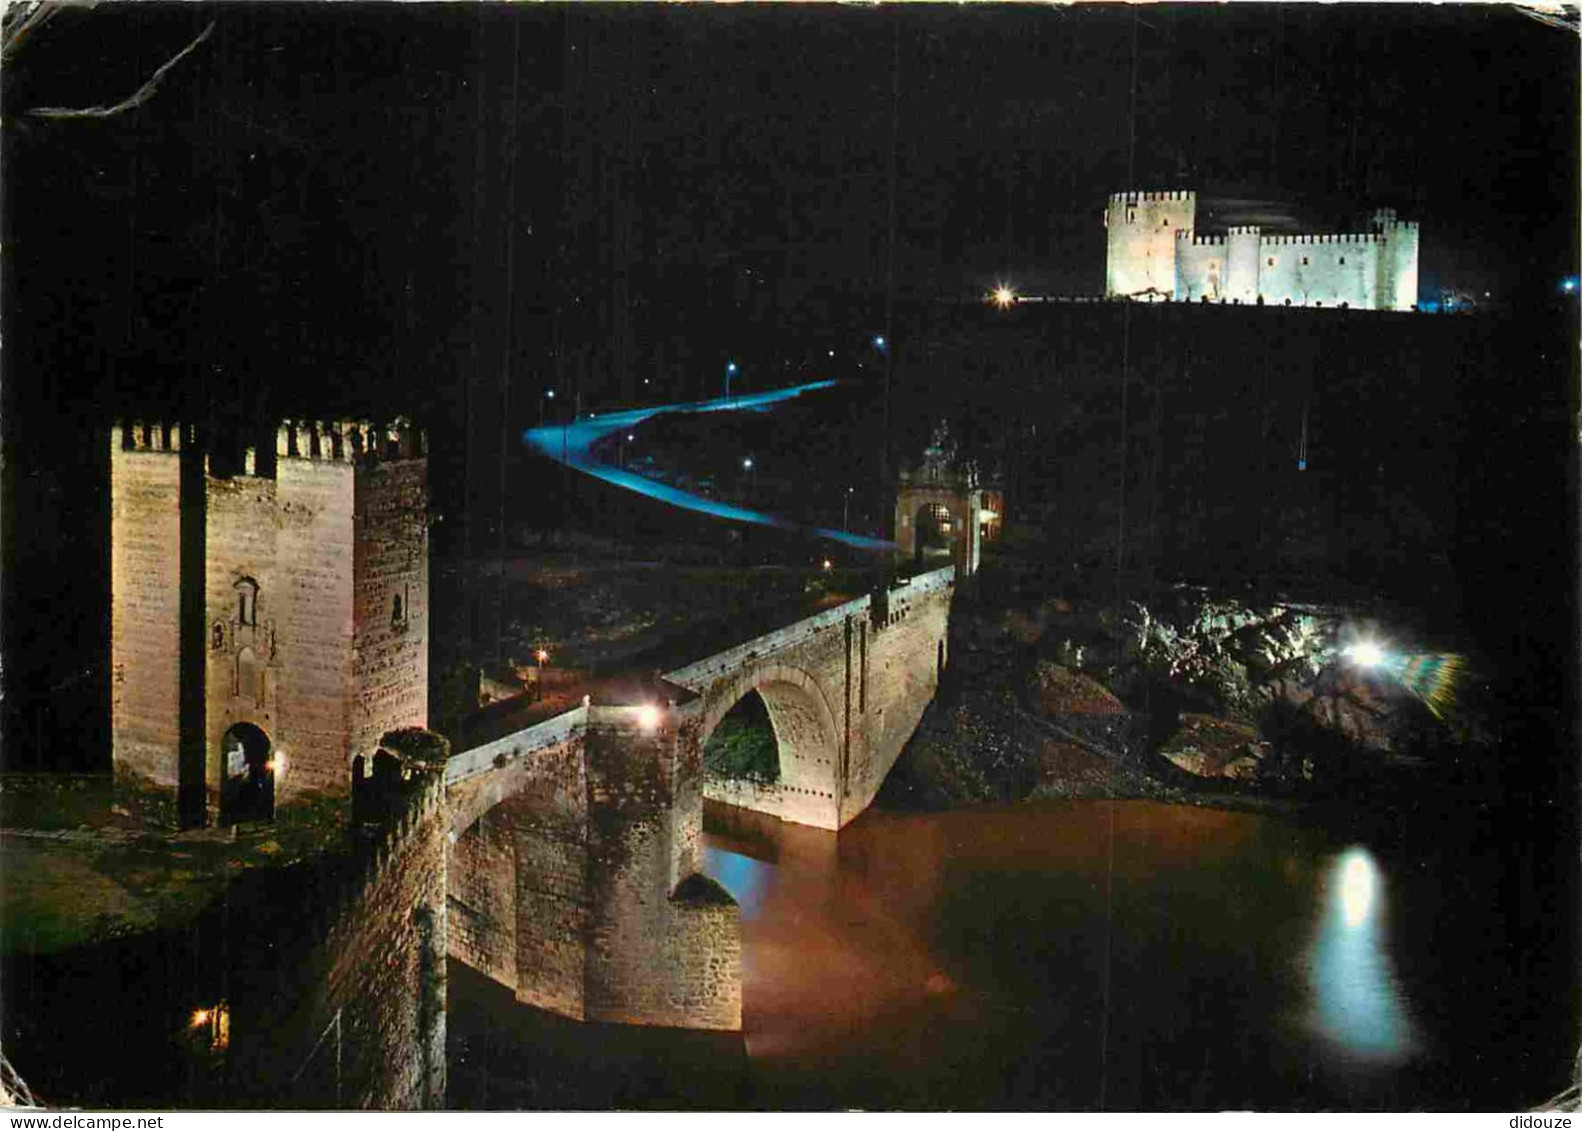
742 876
1358 1005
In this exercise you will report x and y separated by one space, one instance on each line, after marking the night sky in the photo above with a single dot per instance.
356 204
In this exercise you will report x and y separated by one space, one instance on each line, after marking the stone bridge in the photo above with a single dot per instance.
574 869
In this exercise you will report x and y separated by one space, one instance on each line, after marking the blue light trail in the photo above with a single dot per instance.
571 444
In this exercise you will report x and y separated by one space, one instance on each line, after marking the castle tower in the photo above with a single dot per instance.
296 592
1141 235
1397 266
1241 260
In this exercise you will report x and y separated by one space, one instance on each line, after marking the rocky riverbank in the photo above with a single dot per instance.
1187 696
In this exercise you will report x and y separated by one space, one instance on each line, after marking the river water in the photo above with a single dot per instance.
1134 955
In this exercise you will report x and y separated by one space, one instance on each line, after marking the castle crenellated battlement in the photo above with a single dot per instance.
145 436
1197 240
1250 230
350 441
1330 238
1150 197
332 441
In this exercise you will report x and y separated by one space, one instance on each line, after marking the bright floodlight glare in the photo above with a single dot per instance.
1365 654
199 1016
550 394
879 341
1356 887
541 655
748 463
630 437
648 716
730 367
1003 296
826 563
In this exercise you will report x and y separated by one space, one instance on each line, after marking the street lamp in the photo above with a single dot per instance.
845 511
1004 296
730 371
878 342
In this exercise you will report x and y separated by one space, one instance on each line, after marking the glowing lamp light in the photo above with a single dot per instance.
1365 654
541 656
200 1017
1003 297
747 464
878 341
550 394
730 367
1569 284
1356 888
988 516
630 437
828 564
648 717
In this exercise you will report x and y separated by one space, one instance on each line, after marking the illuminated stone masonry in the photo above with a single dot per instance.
268 622
1155 253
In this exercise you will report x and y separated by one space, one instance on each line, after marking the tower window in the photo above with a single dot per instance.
1342 260
1271 261
247 601
1304 261
397 615
1165 222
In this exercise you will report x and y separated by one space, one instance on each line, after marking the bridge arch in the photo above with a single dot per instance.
807 738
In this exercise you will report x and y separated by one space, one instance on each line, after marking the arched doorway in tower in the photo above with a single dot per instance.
743 746
248 789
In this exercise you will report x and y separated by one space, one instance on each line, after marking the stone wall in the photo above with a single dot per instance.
965 532
313 629
339 999
588 830
1140 230
145 628
390 600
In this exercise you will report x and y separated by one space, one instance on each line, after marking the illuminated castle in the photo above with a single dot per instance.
1155 253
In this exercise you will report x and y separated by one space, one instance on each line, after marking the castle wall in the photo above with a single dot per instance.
145 629
1398 282
313 622
1328 270
1241 265
390 666
1200 267
339 998
1141 237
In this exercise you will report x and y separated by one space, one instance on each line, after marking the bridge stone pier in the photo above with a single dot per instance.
844 690
573 868
575 844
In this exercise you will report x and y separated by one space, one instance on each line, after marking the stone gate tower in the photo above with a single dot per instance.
939 505
268 621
